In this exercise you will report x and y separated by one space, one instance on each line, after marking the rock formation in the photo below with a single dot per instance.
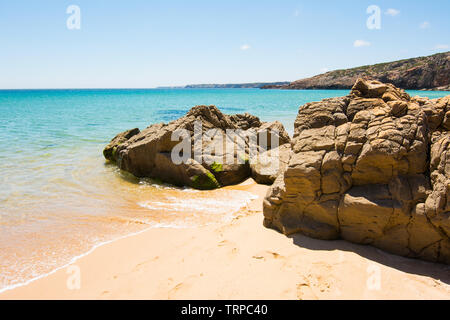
262 171
424 73
148 153
372 168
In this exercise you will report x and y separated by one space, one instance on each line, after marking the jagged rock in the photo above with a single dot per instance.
110 150
270 163
275 129
360 171
148 153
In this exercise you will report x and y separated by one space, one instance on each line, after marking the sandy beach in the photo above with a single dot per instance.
239 260
205 151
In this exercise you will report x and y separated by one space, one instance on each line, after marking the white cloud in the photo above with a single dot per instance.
392 12
245 47
424 25
296 13
361 43
441 46
324 70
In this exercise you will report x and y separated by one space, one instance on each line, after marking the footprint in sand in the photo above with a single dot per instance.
180 290
224 243
230 246
104 294
304 290
139 266
267 255
318 282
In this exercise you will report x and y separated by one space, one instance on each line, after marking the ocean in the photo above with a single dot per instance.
58 196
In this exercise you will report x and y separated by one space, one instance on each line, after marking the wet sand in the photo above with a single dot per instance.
238 259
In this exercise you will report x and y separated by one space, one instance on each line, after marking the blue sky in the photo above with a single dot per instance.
144 44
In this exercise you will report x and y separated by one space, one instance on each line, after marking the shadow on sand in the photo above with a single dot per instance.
436 271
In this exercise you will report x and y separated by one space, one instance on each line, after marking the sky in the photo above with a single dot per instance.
151 43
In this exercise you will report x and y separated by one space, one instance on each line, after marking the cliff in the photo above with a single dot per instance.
423 73
255 85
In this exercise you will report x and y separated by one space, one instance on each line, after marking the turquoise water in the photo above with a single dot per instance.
59 198
47 119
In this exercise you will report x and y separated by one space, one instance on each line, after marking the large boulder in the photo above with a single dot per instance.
372 168
110 151
221 150
265 169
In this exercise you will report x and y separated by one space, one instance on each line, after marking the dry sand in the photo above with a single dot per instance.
239 260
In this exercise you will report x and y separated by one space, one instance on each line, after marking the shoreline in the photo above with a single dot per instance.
232 260
75 258
71 262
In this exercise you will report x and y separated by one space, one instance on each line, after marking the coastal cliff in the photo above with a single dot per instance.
423 73
252 85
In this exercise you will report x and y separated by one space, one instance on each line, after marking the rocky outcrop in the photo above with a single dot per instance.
372 168
110 151
230 152
424 73
265 170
